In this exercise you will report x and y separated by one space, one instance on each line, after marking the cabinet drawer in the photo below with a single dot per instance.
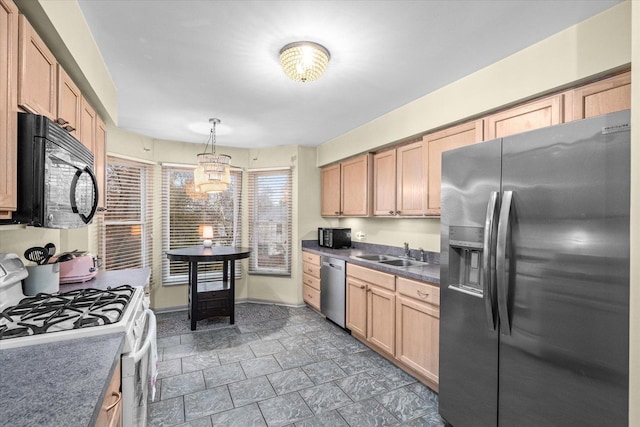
419 290
313 270
311 258
311 296
309 280
384 280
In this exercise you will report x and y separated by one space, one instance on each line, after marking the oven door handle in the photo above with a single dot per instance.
151 336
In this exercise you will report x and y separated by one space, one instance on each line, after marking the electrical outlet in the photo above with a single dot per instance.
360 235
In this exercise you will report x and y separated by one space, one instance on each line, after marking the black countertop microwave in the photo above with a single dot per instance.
56 184
335 238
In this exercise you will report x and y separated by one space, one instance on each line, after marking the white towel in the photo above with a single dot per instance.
153 354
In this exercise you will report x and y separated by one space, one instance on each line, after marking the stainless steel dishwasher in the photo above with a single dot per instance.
333 289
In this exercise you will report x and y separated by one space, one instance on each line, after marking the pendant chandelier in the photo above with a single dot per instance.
304 61
213 173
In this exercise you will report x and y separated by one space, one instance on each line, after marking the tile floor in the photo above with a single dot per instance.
279 366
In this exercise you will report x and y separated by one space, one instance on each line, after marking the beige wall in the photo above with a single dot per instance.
418 232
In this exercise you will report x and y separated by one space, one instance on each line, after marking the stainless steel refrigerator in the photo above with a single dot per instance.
534 322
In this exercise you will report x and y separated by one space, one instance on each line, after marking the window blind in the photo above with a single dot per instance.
186 211
126 228
270 213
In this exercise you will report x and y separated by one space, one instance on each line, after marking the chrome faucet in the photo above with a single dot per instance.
407 252
421 255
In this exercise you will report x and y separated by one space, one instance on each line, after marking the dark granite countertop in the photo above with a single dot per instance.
111 278
427 273
57 384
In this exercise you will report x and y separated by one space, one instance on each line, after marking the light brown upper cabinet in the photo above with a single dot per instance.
400 181
8 107
88 120
597 98
346 187
384 183
37 78
532 115
69 103
439 142
330 192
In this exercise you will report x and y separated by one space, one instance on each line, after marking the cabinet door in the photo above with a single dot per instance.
418 336
37 80
357 306
100 162
8 107
601 97
330 191
69 103
87 126
532 115
439 142
412 179
355 185
111 410
384 183
381 318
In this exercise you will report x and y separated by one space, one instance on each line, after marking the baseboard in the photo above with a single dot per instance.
238 301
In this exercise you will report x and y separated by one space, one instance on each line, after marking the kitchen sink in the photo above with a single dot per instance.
403 263
375 257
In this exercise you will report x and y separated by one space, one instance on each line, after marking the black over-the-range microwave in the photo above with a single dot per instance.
335 238
56 184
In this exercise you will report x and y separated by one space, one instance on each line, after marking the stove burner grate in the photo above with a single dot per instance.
82 308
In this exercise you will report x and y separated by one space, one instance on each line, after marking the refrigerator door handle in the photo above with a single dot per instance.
501 263
488 279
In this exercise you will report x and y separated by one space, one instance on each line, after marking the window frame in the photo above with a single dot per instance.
286 193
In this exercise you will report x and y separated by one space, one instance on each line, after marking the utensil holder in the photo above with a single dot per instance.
42 278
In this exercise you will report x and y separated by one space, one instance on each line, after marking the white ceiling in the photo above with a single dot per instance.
178 63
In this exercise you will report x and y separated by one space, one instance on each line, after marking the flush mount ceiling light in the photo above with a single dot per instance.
304 61
213 171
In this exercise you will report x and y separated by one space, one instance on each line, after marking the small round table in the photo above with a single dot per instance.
210 299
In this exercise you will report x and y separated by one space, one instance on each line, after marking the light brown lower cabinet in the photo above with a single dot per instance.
311 279
111 411
418 327
381 308
371 307
397 317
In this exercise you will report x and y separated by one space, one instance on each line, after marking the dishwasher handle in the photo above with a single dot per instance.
331 265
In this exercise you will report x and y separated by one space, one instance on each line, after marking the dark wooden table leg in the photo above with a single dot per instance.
232 287
193 289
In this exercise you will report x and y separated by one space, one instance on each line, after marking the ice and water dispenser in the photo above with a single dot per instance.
465 258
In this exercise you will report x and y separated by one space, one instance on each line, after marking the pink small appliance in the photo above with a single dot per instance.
80 268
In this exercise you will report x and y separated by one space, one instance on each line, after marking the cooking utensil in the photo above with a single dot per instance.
66 256
51 250
37 254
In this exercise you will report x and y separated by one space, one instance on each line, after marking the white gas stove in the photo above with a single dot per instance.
79 313
43 318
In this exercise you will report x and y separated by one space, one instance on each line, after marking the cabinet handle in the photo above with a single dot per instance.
113 405
362 286
61 121
390 212
397 212
69 128
422 294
